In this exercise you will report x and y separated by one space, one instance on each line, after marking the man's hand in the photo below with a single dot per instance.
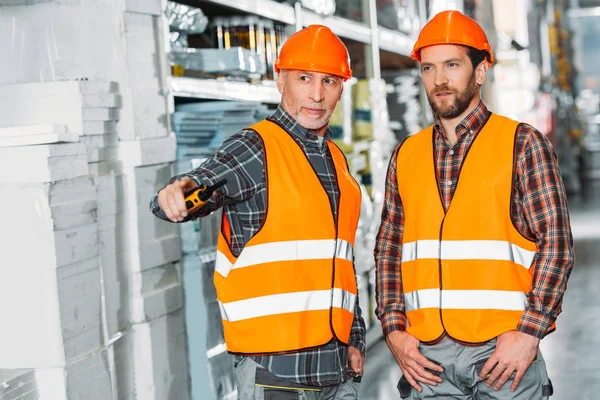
405 349
171 199
515 351
355 360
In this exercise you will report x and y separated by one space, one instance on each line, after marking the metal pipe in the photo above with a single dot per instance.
298 12
374 39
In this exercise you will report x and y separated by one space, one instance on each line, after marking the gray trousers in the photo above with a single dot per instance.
462 366
261 386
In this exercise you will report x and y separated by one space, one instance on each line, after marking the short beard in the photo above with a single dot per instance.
462 102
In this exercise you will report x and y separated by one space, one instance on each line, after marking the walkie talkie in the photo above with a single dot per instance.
199 196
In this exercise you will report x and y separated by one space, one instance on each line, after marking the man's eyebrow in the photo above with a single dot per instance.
443 62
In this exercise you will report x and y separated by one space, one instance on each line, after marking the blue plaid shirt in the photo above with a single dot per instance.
240 160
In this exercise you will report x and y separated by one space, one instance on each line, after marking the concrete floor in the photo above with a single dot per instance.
573 351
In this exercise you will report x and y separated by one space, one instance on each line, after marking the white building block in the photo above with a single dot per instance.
43 169
151 228
57 314
38 129
32 214
111 207
109 187
18 384
111 221
76 244
99 127
67 191
98 154
151 360
144 6
159 252
70 110
104 140
116 294
141 184
43 151
143 115
141 152
155 292
105 168
87 378
32 140
99 115
92 93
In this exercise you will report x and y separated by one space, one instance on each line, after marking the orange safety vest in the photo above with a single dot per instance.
466 271
293 285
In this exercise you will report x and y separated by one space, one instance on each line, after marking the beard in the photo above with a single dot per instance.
462 100
312 123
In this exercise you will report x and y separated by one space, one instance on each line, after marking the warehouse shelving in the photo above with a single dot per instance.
223 90
389 40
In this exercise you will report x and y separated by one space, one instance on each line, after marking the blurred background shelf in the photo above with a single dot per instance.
223 90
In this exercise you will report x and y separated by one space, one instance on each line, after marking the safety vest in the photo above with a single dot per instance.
466 271
293 286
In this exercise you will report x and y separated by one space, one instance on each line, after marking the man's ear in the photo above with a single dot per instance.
281 81
481 72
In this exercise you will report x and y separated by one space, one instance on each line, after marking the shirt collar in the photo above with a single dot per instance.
471 124
286 121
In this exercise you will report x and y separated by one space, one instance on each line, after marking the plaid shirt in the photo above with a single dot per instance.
240 160
538 211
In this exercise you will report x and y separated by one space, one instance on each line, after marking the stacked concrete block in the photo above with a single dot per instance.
50 286
149 364
210 364
108 181
151 360
86 378
120 112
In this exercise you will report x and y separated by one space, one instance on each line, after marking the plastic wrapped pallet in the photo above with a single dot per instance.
233 61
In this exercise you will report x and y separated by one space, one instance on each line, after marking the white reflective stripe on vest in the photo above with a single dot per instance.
468 250
286 251
287 303
222 264
465 299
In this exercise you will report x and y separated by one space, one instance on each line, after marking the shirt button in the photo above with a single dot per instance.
449 183
451 152
471 131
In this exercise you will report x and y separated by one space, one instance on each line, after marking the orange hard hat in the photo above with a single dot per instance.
317 49
452 27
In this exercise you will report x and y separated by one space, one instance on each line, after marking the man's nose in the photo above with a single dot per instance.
316 92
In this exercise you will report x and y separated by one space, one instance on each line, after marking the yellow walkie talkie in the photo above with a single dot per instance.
199 196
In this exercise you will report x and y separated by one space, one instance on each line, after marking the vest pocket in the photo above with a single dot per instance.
280 394
404 387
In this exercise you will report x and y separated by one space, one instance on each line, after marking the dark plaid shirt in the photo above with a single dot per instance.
538 210
240 160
